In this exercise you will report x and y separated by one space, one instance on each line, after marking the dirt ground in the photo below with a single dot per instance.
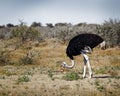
41 84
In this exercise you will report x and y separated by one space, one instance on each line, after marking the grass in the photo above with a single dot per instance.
99 86
70 76
9 73
115 60
96 83
29 71
50 74
102 70
23 78
111 70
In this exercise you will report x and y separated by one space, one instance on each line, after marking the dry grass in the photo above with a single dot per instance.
45 76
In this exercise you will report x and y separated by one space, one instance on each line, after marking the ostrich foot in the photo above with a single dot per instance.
91 75
84 75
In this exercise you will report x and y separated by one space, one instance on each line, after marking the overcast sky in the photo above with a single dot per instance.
54 11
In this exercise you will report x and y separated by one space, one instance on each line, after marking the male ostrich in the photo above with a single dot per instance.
83 44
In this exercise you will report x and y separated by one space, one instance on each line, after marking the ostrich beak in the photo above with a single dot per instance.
62 66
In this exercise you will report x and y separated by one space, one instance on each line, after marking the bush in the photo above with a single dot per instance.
26 60
24 32
110 31
6 33
4 58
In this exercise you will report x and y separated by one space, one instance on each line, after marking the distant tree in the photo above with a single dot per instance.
61 24
50 25
10 25
81 24
36 24
2 26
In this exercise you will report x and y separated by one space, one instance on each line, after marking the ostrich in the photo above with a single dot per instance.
83 44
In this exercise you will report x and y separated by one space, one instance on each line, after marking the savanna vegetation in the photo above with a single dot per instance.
109 30
30 59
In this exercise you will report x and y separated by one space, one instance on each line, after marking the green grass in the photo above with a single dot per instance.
50 74
23 78
71 76
102 70
99 87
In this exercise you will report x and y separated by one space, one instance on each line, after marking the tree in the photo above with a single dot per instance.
2 26
36 24
61 24
50 25
10 25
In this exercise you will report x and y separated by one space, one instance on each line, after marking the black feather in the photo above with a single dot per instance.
79 42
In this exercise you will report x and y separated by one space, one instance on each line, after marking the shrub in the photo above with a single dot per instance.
4 58
24 32
26 60
110 31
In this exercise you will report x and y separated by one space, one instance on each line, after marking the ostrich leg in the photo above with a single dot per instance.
84 71
86 61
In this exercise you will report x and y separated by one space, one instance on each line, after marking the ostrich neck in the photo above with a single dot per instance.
71 66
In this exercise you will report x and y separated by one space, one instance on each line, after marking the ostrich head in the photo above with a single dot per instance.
64 65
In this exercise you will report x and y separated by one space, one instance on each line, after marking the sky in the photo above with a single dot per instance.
55 11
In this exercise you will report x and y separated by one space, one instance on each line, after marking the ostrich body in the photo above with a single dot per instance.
83 44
